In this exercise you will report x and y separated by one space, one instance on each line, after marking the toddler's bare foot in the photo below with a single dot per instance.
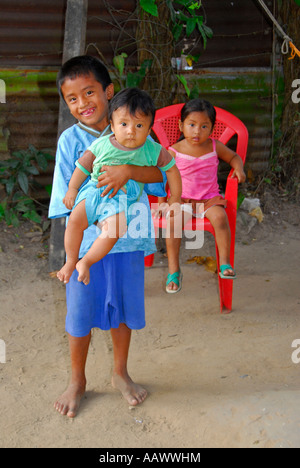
68 403
65 273
133 393
83 272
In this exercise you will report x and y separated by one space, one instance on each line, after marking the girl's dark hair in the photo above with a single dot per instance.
83 65
135 100
199 105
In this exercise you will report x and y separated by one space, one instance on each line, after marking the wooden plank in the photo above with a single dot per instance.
74 44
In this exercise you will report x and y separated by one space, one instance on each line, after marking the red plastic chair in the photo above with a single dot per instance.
227 125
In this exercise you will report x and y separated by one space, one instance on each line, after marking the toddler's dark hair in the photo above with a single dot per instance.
83 65
135 100
199 105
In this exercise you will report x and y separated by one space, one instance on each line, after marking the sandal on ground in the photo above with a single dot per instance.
174 278
224 268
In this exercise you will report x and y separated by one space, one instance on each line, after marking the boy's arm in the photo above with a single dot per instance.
116 177
233 159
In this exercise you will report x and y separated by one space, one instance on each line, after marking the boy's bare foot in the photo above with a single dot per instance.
133 393
83 272
65 273
68 403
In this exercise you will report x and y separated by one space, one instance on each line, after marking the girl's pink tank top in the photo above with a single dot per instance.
199 175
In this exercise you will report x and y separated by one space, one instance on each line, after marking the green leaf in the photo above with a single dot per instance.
32 170
48 189
267 180
190 26
119 62
23 181
208 31
176 31
33 216
240 199
134 79
195 6
149 6
184 82
201 30
10 184
41 160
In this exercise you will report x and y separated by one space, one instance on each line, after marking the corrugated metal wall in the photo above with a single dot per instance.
31 44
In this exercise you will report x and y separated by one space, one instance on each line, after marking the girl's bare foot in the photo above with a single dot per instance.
65 273
68 403
133 393
83 272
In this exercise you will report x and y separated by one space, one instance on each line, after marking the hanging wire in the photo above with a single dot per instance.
287 41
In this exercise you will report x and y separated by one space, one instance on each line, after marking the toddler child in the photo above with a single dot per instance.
197 157
131 116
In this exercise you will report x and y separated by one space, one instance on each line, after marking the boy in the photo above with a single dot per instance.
131 117
86 87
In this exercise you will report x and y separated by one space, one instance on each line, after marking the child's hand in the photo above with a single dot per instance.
239 174
70 198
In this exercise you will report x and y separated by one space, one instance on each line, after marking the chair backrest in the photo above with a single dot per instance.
227 125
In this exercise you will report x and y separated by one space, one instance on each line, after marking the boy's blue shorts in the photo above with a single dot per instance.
114 295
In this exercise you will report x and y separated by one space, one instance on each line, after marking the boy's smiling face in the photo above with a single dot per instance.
87 100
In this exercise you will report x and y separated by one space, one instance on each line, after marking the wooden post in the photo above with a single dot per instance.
74 44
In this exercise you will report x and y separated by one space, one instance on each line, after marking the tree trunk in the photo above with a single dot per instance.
155 42
290 17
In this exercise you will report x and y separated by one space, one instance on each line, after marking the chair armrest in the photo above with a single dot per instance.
231 191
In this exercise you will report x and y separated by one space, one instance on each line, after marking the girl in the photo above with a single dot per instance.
197 158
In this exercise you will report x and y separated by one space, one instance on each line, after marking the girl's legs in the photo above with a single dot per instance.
73 237
218 218
112 228
173 242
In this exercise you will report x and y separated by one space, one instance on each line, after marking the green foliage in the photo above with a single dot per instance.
185 18
17 176
132 79
149 6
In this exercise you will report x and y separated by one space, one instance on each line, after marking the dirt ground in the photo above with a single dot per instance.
214 380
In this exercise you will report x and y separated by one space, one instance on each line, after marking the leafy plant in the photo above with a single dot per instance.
185 18
132 79
17 176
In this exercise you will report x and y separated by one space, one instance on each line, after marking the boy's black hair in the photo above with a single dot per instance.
199 105
83 65
135 100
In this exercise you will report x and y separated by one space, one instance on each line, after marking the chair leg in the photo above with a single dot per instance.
225 288
148 260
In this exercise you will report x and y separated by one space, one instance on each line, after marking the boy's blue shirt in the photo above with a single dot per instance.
71 145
